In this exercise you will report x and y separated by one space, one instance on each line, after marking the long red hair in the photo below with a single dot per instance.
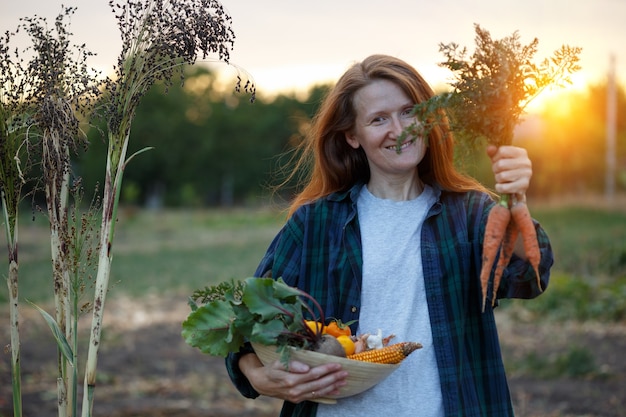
337 166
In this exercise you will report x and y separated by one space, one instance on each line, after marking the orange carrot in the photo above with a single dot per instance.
497 221
506 251
521 216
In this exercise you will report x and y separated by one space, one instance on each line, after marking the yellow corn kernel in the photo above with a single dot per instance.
391 354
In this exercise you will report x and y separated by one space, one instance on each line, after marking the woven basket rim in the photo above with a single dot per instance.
302 353
361 375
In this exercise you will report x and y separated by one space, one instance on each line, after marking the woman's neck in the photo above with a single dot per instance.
396 189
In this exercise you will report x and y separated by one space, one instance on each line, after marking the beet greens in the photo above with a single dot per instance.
258 310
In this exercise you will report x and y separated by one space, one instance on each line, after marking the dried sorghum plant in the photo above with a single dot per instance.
14 166
15 161
159 37
62 89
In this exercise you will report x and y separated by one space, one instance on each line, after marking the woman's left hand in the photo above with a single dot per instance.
512 169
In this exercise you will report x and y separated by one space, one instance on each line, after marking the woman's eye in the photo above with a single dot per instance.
408 112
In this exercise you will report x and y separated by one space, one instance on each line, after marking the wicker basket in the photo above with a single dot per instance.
361 375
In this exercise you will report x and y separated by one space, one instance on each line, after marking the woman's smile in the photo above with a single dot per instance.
405 145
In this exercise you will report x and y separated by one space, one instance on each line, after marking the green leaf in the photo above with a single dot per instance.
265 297
267 333
209 329
62 343
286 292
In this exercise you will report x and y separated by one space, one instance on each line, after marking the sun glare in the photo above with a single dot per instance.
557 100
296 79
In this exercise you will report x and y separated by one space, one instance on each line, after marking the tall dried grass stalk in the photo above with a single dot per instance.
159 37
14 166
62 89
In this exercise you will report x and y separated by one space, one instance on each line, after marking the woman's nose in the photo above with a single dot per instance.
397 126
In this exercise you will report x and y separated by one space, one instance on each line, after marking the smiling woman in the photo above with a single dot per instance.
370 237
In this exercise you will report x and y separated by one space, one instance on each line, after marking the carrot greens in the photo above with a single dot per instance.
490 91
492 87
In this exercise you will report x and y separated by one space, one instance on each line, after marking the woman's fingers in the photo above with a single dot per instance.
300 382
512 169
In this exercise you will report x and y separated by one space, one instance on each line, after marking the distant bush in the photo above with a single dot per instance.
576 362
573 298
587 242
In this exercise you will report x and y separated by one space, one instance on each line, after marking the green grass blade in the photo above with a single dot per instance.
62 343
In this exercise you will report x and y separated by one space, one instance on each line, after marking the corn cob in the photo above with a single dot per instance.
391 354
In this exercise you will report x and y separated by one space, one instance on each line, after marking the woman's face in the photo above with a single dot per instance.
383 111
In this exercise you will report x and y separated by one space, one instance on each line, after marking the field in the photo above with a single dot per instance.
563 351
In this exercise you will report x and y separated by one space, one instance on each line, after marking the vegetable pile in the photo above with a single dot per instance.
490 91
269 312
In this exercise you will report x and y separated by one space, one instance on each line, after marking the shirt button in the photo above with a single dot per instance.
353 309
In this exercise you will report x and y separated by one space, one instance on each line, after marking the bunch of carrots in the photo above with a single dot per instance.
509 218
490 92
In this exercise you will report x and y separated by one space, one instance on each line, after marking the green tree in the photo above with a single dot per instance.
209 147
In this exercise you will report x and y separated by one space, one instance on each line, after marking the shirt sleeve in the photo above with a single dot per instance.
236 376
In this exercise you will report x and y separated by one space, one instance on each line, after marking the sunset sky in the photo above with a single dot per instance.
290 44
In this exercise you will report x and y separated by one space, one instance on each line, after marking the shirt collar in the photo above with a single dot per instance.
353 193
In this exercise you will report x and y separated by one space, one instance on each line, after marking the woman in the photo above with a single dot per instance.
393 240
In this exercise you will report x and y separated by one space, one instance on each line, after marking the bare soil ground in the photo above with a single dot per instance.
146 369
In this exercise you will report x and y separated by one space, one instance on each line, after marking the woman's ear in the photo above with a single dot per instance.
352 140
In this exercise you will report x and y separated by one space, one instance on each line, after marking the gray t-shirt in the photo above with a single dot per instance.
394 300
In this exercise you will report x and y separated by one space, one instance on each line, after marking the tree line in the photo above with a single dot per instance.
212 147
209 147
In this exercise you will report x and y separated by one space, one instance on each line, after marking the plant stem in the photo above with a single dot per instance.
15 339
505 200
73 377
57 178
12 281
112 186
317 307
